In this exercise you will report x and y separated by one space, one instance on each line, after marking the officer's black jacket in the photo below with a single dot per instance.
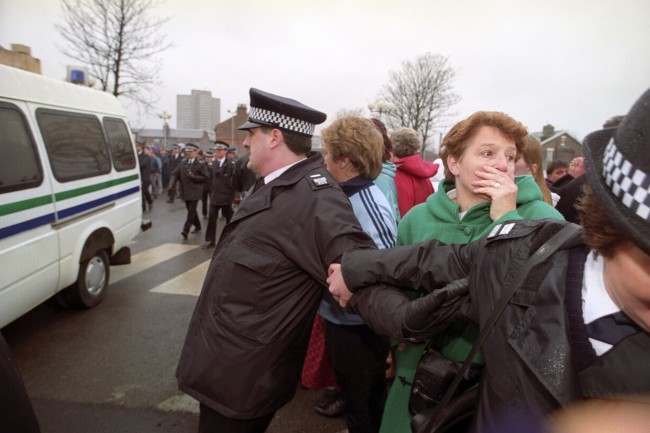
248 336
192 178
222 182
529 365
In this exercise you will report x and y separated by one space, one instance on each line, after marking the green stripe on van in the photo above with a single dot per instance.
92 188
19 206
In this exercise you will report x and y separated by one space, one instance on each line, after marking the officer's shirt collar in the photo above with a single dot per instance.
596 302
277 173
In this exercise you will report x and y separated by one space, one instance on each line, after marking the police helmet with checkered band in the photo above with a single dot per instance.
267 109
618 171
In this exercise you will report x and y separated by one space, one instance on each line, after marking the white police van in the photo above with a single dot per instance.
70 200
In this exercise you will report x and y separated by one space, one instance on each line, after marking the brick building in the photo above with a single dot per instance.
20 56
558 145
226 131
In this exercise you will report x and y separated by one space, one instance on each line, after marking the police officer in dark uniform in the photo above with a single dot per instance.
206 158
175 158
222 191
248 336
191 174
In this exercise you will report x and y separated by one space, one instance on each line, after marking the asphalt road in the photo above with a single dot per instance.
111 369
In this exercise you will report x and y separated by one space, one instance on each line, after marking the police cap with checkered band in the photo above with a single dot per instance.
267 109
618 171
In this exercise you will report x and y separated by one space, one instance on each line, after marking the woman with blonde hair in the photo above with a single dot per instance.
353 150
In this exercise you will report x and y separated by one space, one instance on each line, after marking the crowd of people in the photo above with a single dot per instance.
488 303
217 178
455 367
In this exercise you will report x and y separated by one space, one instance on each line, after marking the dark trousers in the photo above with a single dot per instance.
146 196
192 218
358 357
171 193
165 178
211 231
211 421
204 202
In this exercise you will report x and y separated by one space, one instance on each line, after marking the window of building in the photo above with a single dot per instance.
120 141
75 144
19 165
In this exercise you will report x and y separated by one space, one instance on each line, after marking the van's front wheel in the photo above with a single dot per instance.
92 281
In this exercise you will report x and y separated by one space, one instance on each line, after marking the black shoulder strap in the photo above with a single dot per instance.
566 234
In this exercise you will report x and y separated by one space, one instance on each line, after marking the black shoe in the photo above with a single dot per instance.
197 230
184 235
330 404
207 245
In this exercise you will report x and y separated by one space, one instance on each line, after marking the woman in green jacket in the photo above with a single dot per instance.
480 191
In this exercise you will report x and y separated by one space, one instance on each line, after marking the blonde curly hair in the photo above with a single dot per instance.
358 140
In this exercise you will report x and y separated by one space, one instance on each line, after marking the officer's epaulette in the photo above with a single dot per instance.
512 229
318 181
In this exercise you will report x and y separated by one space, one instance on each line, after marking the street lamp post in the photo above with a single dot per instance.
165 116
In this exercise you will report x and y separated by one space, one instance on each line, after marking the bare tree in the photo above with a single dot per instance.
118 40
345 112
419 95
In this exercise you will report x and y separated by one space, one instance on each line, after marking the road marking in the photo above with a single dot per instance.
180 403
188 283
147 259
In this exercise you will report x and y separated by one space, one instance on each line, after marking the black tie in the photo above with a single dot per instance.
612 329
258 183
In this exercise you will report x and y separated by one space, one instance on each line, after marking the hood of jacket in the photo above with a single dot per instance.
416 166
388 169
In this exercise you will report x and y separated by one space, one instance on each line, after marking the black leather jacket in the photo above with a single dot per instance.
529 365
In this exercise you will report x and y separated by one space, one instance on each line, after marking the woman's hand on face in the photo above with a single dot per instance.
499 187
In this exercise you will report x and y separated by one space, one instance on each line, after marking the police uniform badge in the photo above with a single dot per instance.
318 181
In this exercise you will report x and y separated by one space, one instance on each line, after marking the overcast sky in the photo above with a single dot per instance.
572 63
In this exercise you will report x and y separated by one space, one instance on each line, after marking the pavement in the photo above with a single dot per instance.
111 369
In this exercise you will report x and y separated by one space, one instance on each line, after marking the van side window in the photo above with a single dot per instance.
120 142
19 164
75 144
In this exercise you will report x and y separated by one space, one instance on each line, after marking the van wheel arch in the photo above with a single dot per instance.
94 272
100 239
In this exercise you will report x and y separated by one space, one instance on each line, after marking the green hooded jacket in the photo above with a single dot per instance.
438 218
